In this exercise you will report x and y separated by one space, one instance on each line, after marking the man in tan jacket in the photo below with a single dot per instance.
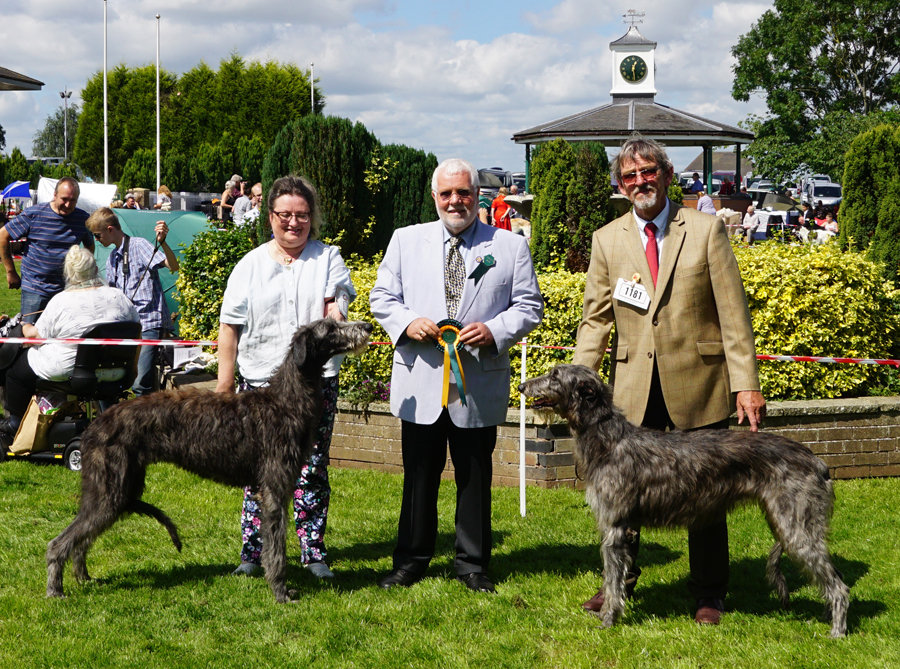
683 356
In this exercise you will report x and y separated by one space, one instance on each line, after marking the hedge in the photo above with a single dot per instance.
804 300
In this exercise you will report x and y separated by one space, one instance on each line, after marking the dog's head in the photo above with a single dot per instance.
575 392
321 340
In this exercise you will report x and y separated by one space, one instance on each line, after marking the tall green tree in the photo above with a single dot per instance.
50 141
2 138
17 167
588 207
872 163
139 171
552 170
885 245
198 108
818 65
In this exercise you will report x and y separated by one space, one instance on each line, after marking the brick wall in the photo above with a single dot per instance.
855 437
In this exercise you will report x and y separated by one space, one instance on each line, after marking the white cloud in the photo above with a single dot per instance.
427 86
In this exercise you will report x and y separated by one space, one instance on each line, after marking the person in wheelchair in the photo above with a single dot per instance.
85 302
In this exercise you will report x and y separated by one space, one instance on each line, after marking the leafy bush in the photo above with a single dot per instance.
819 301
205 267
811 300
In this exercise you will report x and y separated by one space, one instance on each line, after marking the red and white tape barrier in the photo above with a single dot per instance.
206 342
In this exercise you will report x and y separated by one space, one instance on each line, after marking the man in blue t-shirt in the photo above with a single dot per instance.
50 229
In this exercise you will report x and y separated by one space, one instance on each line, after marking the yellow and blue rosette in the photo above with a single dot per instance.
451 345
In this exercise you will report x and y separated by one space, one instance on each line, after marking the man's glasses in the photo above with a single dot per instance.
462 194
647 174
286 216
97 235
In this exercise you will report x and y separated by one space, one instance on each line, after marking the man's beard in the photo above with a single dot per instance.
455 224
648 199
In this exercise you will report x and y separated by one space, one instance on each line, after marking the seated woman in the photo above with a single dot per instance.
85 302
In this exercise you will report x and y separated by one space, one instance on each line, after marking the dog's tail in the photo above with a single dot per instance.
141 507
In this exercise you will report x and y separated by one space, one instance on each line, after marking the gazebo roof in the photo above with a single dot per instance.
13 81
615 121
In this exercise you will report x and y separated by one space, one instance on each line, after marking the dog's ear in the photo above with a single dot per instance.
299 345
587 392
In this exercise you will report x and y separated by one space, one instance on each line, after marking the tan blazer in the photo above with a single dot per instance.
697 326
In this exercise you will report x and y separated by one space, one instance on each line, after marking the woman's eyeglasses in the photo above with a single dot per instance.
286 216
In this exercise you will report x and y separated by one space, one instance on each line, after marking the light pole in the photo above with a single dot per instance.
312 90
65 94
157 103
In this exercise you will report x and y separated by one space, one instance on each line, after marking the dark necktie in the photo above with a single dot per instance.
652 251
454 277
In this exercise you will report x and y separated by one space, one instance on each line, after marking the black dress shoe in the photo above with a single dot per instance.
398 577
477 582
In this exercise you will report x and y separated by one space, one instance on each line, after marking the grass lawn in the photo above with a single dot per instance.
153 607
10 300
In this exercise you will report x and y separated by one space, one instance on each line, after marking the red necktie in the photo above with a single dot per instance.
652 251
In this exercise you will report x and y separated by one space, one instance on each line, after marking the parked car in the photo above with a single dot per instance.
519 180
829 194
492 178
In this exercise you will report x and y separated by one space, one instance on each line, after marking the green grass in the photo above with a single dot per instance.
10 300
153 607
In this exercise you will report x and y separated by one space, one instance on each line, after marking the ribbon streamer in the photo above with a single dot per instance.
449 342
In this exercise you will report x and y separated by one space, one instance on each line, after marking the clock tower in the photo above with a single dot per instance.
633 64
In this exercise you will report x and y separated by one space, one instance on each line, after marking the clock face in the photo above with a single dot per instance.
633 69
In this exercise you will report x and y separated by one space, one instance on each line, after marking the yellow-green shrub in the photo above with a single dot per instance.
819 301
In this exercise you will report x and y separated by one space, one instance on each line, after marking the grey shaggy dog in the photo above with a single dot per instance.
260 439
640 477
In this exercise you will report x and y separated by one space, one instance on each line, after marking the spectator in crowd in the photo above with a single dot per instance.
830 224
500 211
290 281
241 207
238 188
696 184
130 202
727 187
820 212
750 223
86 301
484 206
133 267
806 215
690 353
226 204
163 199
252 214
451 280
50 229
705 203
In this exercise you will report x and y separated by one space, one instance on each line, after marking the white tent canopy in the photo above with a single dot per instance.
92 197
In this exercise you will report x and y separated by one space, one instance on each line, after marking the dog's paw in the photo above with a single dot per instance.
56 594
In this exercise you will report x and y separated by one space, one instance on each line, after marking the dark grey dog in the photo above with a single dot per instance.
260 439
640 477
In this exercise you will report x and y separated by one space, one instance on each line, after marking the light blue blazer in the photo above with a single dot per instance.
506 299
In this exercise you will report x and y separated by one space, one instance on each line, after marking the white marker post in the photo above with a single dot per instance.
522 432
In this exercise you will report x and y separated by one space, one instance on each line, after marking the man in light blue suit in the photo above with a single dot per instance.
461 270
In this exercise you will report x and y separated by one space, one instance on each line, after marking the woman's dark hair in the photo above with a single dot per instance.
297 185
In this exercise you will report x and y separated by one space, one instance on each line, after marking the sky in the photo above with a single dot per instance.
456 79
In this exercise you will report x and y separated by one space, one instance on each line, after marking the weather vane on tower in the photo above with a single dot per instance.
633 16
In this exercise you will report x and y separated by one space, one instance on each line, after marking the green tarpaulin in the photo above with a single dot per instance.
183 226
